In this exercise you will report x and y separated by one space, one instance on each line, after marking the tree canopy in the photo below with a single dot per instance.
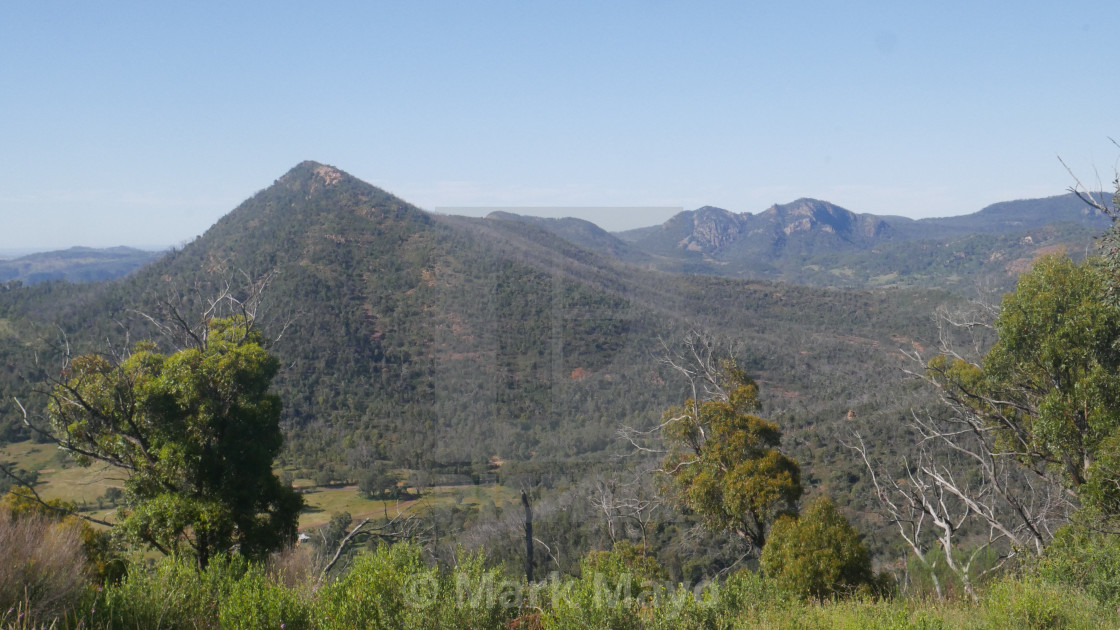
196 431
724 461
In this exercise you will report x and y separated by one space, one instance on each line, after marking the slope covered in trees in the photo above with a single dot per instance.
396 318
442 344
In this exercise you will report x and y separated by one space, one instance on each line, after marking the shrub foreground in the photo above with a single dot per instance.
394 588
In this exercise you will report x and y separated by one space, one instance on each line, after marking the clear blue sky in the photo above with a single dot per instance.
142 123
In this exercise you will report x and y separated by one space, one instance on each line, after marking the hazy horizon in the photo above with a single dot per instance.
592 214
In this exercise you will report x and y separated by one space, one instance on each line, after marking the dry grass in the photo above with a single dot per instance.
323 502
294 567
44 566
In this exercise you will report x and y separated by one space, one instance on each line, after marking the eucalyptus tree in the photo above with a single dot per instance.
195 432
721 459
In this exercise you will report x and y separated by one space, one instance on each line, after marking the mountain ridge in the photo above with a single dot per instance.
76 264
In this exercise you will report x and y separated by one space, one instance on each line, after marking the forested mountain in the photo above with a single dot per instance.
495 337
77 264
413 336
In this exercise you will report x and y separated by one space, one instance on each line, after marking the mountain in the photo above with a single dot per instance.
438 342
713 231
77 264
441 344
818 243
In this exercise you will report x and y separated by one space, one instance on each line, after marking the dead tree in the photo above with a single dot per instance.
528 537
403 526
930 503
699 362
973 470
625 503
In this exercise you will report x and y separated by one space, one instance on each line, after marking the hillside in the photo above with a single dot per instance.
442 344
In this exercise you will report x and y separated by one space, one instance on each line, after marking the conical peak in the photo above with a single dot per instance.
313 174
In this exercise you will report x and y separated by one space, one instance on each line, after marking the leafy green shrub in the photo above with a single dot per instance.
1088 560
380 590
588 602
747 590
393 588
626 568
472 596
817 555
608 592
171 594
257 601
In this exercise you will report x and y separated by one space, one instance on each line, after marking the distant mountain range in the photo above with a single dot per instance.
815 242
77 264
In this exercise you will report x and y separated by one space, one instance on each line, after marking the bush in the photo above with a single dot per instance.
171 594
256 601
747 590
381 590
817 555
1088 560
626 568
475 597
102 560
616 589
393 588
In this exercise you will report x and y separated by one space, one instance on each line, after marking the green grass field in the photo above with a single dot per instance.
322 502
59 476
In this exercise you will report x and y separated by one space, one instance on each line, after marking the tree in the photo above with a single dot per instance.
196 432
818 554
722 460
1030 432
1049 389
379 483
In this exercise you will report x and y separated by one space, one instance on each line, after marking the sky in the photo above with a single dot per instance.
143 123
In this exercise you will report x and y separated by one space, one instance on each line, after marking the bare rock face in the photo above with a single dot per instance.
712 228
806 215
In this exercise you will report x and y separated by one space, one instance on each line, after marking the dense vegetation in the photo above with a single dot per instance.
418 354
395 586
